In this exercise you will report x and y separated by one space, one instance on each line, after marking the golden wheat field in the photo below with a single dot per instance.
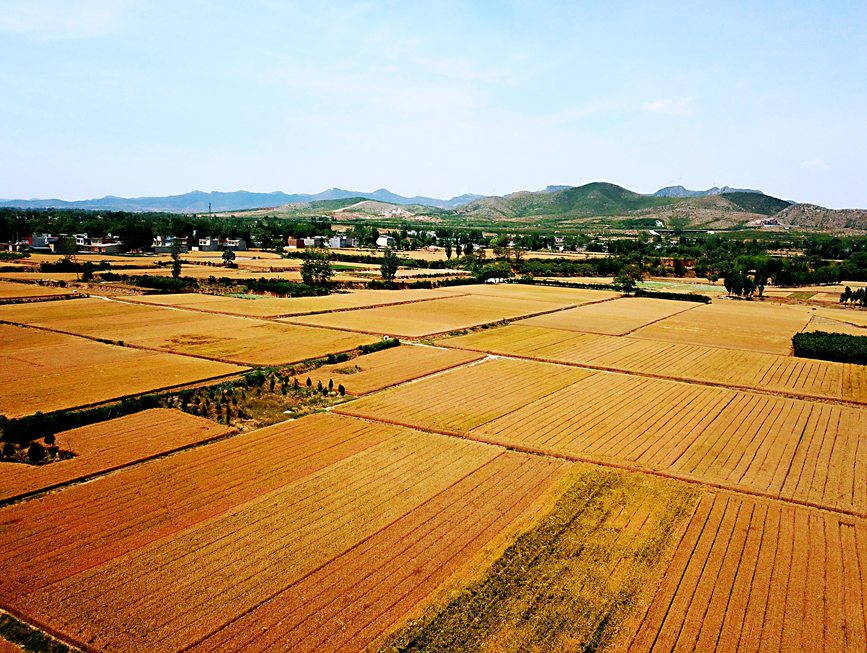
615 474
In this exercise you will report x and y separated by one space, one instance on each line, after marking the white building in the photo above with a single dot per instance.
385 241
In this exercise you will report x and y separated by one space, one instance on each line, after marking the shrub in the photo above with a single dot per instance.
379 346
35 453
839 347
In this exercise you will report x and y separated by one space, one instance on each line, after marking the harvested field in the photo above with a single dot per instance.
569 583
733 324
351 600
753 575
855 316
44 371
799 377
462 399
109 445
382 369
9 290
800 450
616 317
427 318
173 592
223 338
818 323
536 293
264 306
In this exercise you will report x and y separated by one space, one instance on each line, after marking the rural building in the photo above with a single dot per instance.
207 245
314 241
101 244
236 244
339 241
294 243
385 241
163 244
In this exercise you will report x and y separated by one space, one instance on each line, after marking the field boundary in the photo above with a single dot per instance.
78 480
680 379
279 316
609 463
354 546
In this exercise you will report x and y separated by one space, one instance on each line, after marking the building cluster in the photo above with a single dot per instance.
336 241
163 244
69 244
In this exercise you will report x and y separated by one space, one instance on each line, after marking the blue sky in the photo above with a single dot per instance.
146 97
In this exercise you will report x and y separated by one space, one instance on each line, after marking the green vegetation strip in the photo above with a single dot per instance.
839 347
29 638
569 583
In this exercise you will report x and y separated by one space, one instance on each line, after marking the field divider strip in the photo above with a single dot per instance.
510 446
318 568
78 480
276 316
660 319
439 334
33 626
679 379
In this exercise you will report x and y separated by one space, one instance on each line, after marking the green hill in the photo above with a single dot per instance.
757 203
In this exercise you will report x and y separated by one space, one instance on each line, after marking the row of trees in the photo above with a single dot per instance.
857 297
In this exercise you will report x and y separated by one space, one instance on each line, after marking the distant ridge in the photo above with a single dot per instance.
198 201
680 191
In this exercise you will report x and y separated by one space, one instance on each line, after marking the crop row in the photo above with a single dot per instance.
753 575
748 369
178 589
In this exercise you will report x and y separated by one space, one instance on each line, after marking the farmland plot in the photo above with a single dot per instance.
459 400
230 339
805 451
541 293
261 306
741 369
351 600
44 371
427 318
753 575
570 582
178 589
109 445
10 290
615 317
382 369
738 325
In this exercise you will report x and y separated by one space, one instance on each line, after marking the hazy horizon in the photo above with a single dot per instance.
132 98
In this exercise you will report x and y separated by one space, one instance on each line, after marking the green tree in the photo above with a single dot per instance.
175 252
316 268
341 390
388 267
228 257
448 247
87 271
627 281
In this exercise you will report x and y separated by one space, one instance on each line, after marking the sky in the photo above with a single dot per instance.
154 97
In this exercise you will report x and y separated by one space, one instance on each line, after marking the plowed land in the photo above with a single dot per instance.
752 575
224 338
9 290
385 368
542 293
110 445
44 371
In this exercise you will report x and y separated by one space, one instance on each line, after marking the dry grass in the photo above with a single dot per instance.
10 290
536 293
44 371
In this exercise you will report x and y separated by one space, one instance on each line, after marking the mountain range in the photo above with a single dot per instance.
201 202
